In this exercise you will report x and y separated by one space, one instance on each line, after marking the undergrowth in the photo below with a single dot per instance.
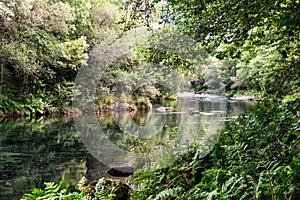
99 190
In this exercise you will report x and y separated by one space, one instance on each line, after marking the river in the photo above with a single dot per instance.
44 150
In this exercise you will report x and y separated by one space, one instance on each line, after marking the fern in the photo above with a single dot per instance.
211 194
169 192
36 192
82 183
52 191
100 189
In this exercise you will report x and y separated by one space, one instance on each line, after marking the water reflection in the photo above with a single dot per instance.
38 151
137 138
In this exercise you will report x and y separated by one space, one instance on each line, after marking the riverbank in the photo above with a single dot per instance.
59 112
110 104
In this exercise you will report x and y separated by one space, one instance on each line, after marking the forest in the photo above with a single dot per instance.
146 51
236 47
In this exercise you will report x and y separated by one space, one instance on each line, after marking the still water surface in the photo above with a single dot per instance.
44 150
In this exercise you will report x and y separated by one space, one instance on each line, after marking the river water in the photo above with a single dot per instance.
44 150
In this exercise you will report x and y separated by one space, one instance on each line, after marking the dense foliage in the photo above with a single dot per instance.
256 157
43 44
258 40
250 45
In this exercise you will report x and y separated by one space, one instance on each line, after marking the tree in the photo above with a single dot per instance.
44 43
234 29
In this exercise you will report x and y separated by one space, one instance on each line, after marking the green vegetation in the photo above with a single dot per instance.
256 41
254 47
230 46
102 190
256 156
44 43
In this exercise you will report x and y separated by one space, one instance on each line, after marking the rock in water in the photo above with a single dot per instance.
165 109
191 112
121 171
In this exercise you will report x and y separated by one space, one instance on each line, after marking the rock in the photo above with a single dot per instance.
246 98
121 171
164 109
191 112
169 109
